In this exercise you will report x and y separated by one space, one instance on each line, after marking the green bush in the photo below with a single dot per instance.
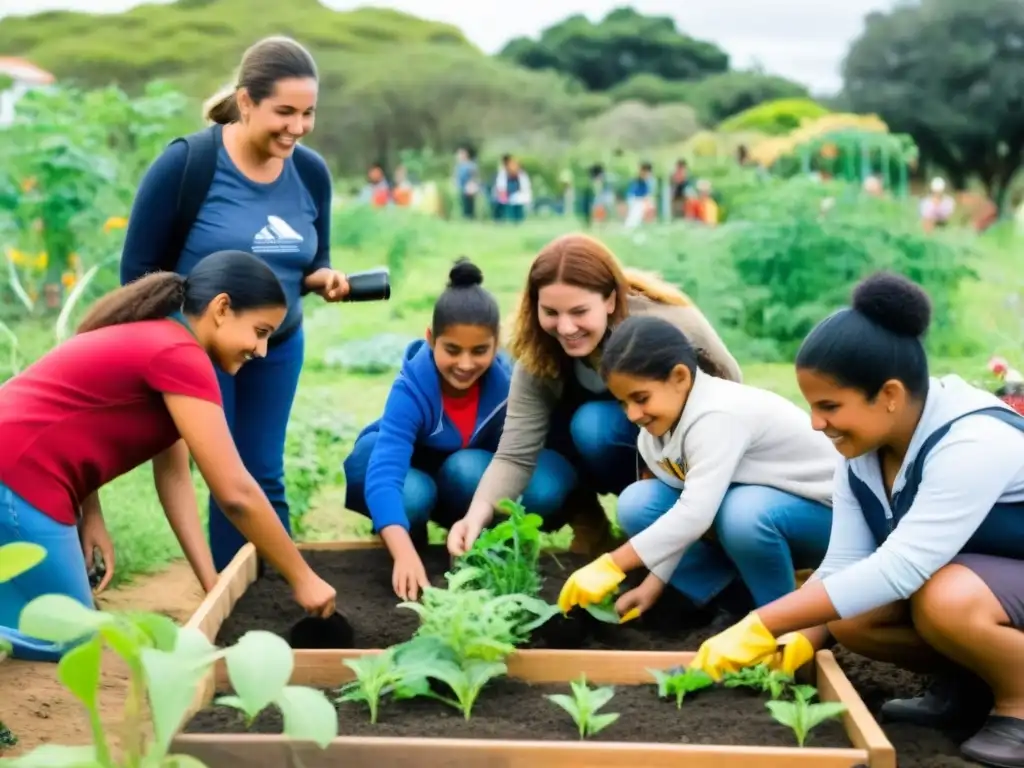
775 118
651 89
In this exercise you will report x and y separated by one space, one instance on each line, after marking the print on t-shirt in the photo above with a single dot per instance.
673 468
276 237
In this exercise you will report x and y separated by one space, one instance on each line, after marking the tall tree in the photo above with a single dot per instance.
951 74
623 44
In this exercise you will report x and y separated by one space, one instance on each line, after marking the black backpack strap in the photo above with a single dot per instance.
196 178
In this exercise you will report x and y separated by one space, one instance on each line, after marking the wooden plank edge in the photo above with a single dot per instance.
220 601
861 727
357 751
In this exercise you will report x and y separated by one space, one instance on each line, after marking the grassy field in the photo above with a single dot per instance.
337 397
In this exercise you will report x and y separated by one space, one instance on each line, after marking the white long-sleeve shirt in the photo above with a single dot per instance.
728 433
979 463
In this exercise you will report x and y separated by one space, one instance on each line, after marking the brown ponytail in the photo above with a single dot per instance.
707 364
222 107
152 297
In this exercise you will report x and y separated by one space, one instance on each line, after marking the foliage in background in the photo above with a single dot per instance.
775 118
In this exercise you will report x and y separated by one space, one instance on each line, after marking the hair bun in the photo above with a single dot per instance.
465 274
894 302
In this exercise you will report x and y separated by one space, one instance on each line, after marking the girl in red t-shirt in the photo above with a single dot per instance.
137 383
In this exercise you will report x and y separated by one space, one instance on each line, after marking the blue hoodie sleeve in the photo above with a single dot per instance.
151 221
392 456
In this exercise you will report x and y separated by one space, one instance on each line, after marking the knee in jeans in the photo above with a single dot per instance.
463 470
634 509
419 496
589 428
552 481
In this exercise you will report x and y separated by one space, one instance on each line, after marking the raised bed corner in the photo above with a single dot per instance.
325 669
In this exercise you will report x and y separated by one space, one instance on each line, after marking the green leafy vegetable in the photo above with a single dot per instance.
678 682
399 671
7 739
801 715
582 706
18 557
760 678
505 557
465 681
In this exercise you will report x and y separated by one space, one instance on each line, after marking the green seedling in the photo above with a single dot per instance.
801 715
505 557
678 682
761 678
398 672
475 623
604 611
166 665
466 681
582 706
7 739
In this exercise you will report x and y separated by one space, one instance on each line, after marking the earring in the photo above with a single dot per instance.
891 408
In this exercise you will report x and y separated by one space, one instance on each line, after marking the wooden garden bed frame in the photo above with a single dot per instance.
871 748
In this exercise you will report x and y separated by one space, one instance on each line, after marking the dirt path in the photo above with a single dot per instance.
35 706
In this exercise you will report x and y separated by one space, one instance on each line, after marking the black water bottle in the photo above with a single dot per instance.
369 285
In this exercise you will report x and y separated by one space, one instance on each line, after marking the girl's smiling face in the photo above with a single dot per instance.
462 354
654 405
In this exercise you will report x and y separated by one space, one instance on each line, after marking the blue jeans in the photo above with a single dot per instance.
444 497
61 572
605 442
258 403
761 533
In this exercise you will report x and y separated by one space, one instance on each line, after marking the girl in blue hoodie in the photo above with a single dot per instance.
423 459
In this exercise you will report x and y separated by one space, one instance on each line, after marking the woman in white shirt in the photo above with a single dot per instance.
742 483
925 566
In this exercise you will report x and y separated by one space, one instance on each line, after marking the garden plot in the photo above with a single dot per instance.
612 712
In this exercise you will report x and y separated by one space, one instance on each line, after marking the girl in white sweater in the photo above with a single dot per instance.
742 483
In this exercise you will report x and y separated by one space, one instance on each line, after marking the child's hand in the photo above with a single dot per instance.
640 599
409 576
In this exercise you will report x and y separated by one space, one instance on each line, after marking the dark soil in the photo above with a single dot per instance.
509 709
365 598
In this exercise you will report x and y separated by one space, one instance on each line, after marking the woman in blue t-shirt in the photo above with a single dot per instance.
245 183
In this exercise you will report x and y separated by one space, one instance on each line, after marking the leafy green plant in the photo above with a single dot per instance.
801 715
166 666
7 739
466 680
583 704
16 558
506 556
475 623
679 681
398 671
761 678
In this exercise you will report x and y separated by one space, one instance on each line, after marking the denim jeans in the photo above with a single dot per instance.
61 572
761 533
605 441
258 403
444 497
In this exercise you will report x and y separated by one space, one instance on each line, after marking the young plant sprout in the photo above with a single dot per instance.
583 706
389 672
801 715
678 682
761 678
466 681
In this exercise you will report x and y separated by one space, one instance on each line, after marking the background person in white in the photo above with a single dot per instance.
925 567
733 463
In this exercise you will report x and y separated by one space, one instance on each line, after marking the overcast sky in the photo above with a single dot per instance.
801 39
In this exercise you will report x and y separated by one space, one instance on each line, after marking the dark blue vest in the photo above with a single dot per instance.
1002 532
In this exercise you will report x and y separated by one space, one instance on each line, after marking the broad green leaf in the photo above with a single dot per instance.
123 641
260 666
5 646
18 557
600 722
55 756
232 702
172 681
79 671
568 703
161 631
182 761
193 644
60 619
308 715
598 697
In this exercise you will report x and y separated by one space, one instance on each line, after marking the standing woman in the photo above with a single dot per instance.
265 194
925 565
576 293
137 384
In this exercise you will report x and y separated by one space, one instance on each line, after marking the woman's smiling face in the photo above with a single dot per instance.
578 318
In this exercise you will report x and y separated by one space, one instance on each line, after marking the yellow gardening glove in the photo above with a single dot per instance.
744 644
794 650
590 584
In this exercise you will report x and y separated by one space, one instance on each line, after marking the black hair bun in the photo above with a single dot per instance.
465 274
894 302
